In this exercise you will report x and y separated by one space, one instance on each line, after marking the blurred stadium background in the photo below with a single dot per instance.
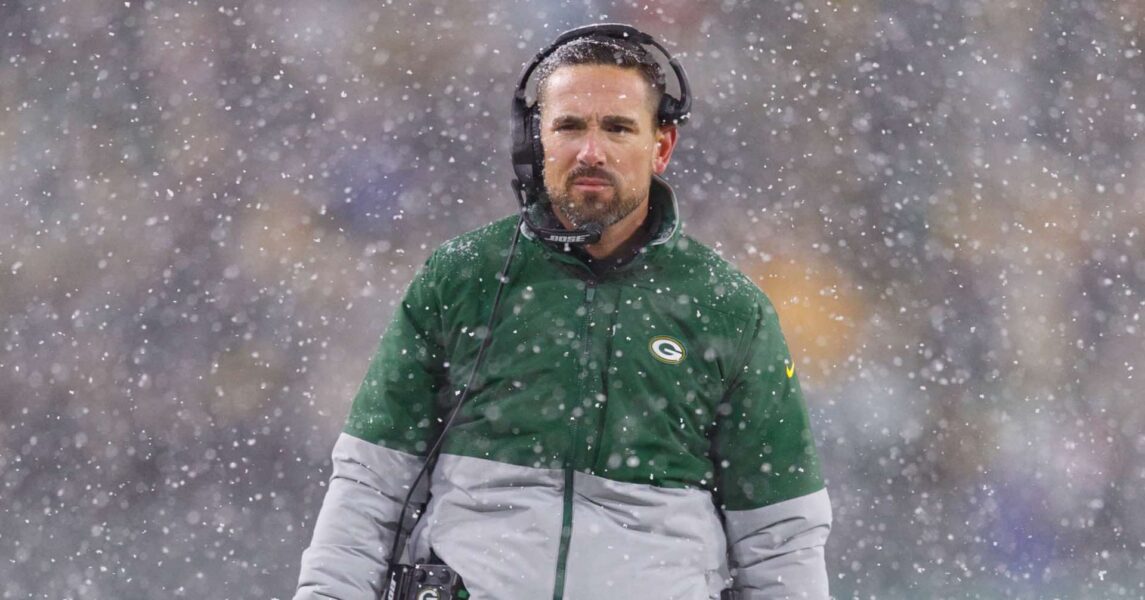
208 211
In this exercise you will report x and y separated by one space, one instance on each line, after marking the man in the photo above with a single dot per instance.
631 425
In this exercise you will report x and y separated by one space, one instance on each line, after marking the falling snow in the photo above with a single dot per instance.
209 211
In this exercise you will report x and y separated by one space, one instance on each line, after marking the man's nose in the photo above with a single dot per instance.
591 151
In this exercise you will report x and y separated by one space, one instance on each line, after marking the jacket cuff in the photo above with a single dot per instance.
776 551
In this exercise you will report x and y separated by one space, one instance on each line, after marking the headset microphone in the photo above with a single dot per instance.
589 234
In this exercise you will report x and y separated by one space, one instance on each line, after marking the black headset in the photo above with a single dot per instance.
528 156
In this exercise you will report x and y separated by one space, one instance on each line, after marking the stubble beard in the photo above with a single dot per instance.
594 208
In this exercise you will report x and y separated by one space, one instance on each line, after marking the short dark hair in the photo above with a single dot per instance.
606 51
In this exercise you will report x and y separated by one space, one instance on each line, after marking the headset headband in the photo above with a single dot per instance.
677 109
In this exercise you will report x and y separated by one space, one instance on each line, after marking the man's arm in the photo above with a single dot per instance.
358 521
377 457
776 511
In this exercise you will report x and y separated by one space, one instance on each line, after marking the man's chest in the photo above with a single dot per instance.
604 375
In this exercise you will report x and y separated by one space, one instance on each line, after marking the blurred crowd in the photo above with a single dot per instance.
208 213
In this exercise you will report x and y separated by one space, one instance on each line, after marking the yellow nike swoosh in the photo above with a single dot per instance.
790 371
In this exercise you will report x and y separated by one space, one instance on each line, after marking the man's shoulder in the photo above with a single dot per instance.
488 242
714 280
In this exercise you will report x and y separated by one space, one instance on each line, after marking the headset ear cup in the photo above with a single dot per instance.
522 149
672 111
538 149
667 109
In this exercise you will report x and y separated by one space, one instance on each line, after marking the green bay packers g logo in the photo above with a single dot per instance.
667 350
428 594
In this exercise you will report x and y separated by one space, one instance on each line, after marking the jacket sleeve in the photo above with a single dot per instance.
776 511
378 455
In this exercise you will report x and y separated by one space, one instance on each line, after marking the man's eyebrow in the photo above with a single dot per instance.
567 120
620 120
606 120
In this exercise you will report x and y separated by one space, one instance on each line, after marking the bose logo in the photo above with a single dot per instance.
667 350
567 238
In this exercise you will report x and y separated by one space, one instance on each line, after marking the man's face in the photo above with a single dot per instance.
601 144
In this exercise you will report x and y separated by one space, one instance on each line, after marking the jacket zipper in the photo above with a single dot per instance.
570 460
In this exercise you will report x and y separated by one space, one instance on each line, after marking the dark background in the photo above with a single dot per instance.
207 214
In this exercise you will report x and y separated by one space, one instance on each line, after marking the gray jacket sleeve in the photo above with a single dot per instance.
347 557
776 552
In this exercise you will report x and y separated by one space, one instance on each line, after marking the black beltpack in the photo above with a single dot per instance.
425 582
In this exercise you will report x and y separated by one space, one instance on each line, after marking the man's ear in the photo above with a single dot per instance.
666 137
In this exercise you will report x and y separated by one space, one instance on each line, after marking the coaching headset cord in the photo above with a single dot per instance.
431 456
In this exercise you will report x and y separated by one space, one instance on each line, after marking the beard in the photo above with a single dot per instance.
593 208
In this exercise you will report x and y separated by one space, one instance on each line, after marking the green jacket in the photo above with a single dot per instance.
634 432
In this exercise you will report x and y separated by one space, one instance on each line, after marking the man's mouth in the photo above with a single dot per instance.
591 183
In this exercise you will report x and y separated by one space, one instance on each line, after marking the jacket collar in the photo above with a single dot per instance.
662 199
663 211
